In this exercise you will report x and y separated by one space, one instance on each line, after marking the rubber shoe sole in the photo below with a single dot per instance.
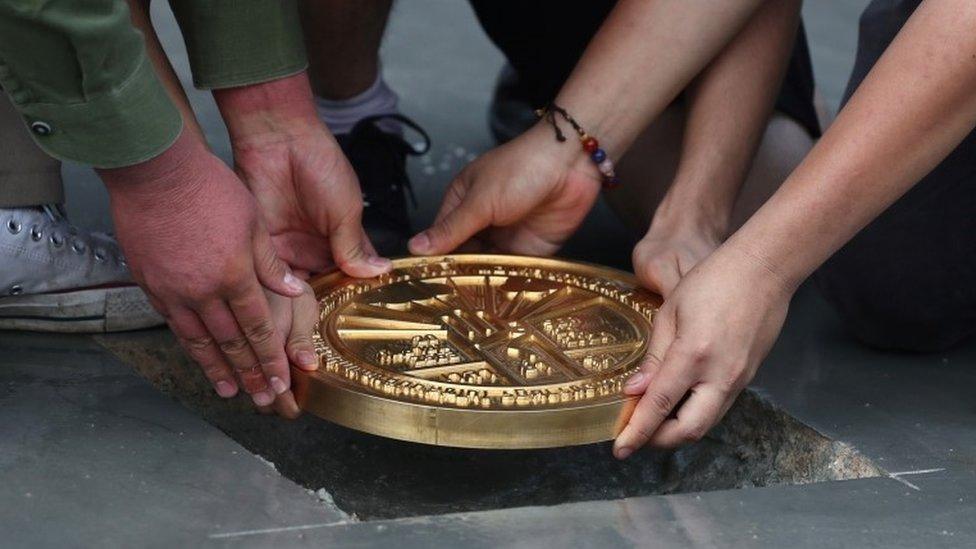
99 310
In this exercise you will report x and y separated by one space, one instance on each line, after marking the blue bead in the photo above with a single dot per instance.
599 155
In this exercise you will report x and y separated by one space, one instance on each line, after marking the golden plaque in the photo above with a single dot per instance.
479 351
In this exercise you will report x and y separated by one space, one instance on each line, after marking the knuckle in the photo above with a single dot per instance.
300 340
694 433
660 403
268 259
352 255
700 353
213 371
642 429
197 345
234 346
260 333
733 382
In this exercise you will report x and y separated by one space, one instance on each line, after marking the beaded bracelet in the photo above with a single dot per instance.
590 144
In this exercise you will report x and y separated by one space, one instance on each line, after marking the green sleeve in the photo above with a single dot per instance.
239 42
77 71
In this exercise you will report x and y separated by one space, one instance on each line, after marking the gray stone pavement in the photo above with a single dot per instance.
92 455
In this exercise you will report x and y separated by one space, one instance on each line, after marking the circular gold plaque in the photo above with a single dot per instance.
478 351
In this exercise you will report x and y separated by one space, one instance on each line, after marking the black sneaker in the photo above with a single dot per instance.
380 161
511 111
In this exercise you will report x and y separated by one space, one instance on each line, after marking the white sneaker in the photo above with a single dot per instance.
56 278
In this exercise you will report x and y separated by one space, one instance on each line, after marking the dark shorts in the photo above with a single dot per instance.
908 280
543 40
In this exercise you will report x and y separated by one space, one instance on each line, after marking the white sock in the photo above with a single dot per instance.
340 116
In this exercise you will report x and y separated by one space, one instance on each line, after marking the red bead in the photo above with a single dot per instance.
590 144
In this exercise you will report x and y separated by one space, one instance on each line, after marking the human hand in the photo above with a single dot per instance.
671 248
530 193
295 319
307 191
707 342
195 242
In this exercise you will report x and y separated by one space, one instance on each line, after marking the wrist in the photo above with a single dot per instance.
753 263
692 212
272 110
165 179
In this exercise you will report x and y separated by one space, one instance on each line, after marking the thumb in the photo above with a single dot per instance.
662 335
451 228
352 250
304 320
271 271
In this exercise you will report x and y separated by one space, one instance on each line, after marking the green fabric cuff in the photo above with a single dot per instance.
131 124
234 43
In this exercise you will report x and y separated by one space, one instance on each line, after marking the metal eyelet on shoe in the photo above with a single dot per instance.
13 226
78 247
16 290
99 255
36 234
57 240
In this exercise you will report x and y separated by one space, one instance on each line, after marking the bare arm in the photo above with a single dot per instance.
729 105
534 190
913 108
643 56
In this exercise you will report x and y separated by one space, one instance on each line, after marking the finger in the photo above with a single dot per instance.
286 406
657 273
304 320
198 343
695 417
664 391
453 197
236 348
456 227
271 271
662 335
253 315
352 250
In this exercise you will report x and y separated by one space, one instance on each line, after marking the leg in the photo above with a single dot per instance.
28 176
908 280
343 41
650 165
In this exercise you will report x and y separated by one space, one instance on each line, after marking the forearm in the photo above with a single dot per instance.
914 107
728 107
644 54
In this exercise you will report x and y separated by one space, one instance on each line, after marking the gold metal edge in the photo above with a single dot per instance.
476 429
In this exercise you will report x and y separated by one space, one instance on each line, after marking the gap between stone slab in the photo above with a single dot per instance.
369 477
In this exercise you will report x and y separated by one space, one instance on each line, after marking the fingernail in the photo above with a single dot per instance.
278 385
307 359
263 398
225 389
623 452
293 283
378 261
635 380
420 243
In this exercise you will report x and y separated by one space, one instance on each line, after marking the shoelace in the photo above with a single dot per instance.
397 144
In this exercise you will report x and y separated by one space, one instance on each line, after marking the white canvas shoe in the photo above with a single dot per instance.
57 278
